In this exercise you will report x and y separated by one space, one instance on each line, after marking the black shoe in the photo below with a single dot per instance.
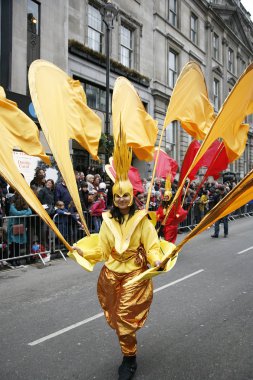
127 368
214 236
225 236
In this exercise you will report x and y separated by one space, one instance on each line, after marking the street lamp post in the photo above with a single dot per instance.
108 12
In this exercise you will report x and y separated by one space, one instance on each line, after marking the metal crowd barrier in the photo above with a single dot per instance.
24 239
194 216
27 238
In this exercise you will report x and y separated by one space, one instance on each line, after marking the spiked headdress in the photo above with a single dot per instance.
122 156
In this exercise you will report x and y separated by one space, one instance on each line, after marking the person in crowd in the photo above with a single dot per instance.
153 201
77 176
39 179
96 209
196 210
66 221
83 194
219 194
81 179
90 181
97 180
140 201
102 189
16 230
203 203
127 241
157 184
62 194
46 196
61 218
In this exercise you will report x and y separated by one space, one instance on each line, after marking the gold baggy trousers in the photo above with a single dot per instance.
126 309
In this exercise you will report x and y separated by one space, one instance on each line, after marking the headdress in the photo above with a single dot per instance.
168 191
122 157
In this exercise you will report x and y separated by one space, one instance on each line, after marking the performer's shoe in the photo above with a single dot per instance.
127 368
214 236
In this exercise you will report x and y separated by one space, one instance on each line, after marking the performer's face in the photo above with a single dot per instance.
122 202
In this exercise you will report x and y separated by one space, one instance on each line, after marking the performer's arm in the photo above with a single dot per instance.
100 252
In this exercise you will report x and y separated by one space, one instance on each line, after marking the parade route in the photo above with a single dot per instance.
50 336
199 326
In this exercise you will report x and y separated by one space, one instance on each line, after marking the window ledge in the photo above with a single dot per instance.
97 58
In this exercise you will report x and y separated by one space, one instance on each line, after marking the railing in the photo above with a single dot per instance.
27 238
24 239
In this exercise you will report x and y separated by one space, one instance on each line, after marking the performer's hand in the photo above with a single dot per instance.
78 250
157 264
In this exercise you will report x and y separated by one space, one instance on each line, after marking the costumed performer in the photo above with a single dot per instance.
127 242
176 215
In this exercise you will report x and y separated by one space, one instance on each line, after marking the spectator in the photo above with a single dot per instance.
140 201
39 179
16 230
96 209
47 197
97 180
62 194
63 219
90 181
83 194
203 203
220 194
102 189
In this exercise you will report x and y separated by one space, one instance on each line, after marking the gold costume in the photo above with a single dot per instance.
127 249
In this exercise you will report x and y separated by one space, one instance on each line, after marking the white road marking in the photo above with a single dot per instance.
62 331
245 250
59 332
177 281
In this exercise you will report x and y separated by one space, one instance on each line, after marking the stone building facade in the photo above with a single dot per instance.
151 42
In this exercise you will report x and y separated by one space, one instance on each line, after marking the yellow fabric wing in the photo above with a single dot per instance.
19 131
189 102
128 110
61 108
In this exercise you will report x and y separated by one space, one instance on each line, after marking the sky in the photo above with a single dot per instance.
248 4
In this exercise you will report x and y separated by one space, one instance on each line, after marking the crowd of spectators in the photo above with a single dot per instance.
95 197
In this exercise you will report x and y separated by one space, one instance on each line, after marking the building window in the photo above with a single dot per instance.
216 46
194 28
126 46
95 97
230 60
94 29
171 139
173 68
173 12
243 66
216 95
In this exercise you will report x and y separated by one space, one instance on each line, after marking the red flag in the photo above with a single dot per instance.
188 158
165 165
215 159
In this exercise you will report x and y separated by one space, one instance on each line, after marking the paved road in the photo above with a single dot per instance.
200 325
